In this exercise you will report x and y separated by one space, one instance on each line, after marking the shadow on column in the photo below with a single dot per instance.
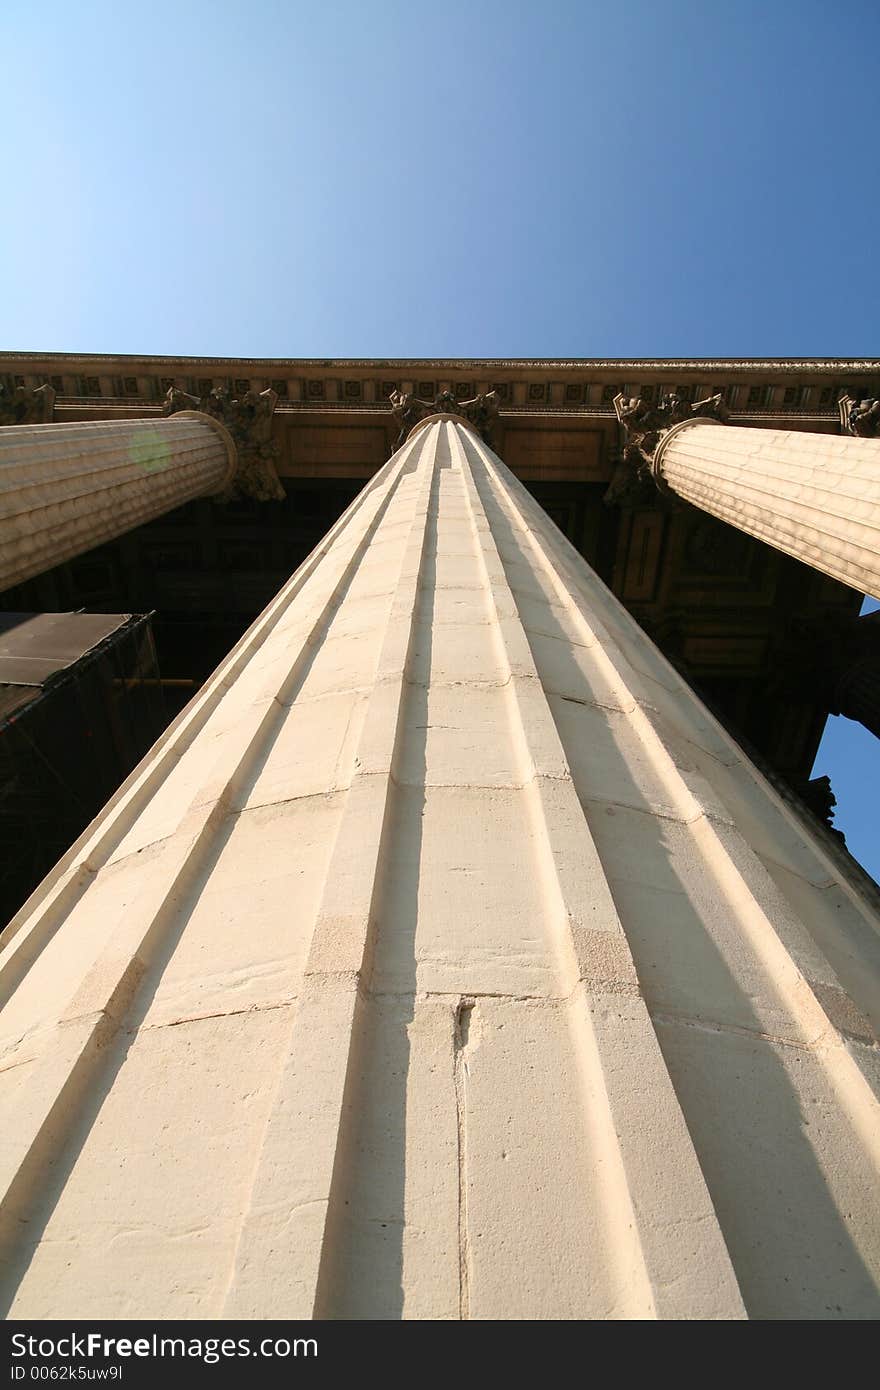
766 1155
361 1275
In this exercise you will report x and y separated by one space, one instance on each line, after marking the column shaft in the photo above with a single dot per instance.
67 488
858 695
814 496
444 959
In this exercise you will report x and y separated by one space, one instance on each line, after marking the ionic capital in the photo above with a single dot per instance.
646 428
23 406
859 418
481 412
248 419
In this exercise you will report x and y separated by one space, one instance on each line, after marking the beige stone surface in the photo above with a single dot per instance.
815 496
444 959
65 489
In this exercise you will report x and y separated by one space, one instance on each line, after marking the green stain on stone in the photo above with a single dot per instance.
149 450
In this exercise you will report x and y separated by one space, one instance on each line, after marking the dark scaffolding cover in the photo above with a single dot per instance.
80 704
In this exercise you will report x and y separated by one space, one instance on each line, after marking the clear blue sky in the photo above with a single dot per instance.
573 178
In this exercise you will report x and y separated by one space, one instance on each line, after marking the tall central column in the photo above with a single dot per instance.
444 959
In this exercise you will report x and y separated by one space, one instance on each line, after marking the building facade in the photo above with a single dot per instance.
446 928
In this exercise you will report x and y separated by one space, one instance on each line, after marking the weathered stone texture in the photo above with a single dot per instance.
815 496
65 489
445 959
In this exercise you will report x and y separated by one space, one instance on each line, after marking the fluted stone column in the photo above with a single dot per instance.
67 488
813 496
444 959
858 692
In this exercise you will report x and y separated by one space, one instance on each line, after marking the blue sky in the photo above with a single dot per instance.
850 756
484 179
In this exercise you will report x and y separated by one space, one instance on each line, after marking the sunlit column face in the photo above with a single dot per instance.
814 496
446 959
68 488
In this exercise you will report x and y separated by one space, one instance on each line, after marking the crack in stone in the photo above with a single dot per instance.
461 1039
219 1013
740 1031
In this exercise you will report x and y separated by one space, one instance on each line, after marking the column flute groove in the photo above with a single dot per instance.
445 959
98 1007
640 1194
297 1168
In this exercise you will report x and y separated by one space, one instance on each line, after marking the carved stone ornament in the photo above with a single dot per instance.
248 419
818 797
861 418
25 406
481 411
635 479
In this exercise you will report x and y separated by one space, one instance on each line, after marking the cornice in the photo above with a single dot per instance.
808 365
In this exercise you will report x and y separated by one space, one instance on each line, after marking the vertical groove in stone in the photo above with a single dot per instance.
733 882
815 496
464 953
67 488
296 1172
643 1197
183 842
676 768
